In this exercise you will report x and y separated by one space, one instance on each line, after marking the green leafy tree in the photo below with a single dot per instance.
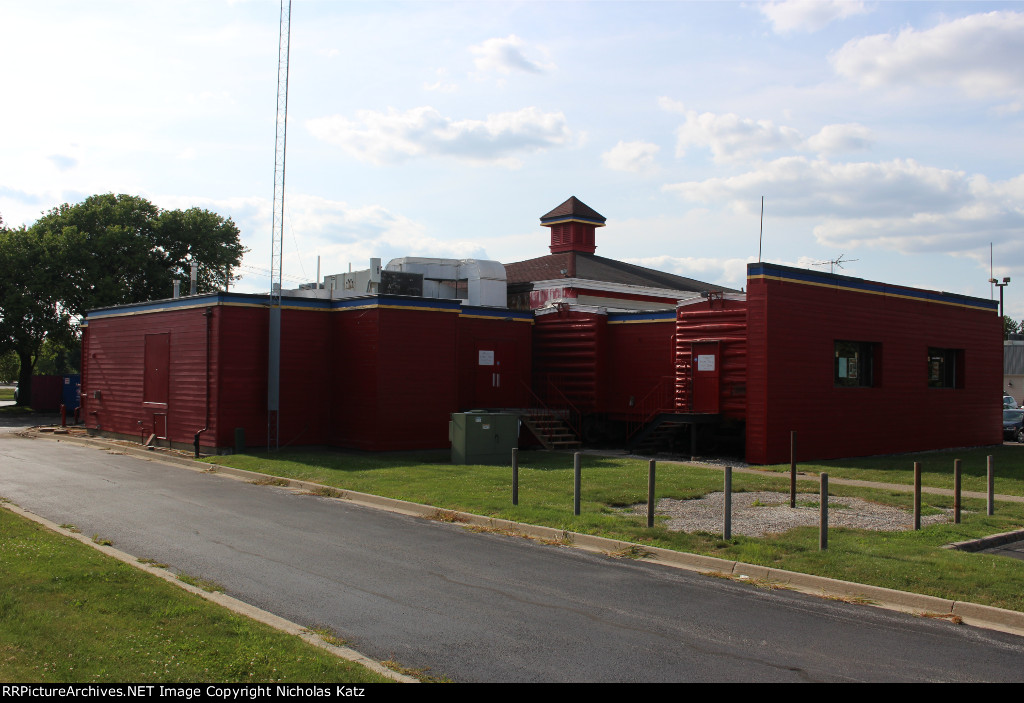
1010 326
127 250
31 309
107 250
8 367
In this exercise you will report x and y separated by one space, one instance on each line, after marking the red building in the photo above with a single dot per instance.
857 367
374 372
854 367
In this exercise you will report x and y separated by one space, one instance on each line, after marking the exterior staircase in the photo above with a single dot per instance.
551 430
662 434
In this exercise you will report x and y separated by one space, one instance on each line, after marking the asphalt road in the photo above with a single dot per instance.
478 607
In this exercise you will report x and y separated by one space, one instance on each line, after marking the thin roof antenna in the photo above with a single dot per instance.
991 275
760 237
838 261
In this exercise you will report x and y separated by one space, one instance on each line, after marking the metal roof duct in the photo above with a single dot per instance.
477 281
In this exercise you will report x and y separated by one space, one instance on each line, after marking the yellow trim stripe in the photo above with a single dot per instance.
886 294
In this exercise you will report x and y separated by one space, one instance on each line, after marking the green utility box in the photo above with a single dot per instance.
480 437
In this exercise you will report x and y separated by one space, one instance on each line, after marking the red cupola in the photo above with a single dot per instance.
572 226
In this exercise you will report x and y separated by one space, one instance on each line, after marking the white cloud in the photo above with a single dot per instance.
392 137
899 205
635 157
506 56
731 272
339 232
730 137
981 54
808 15
840 138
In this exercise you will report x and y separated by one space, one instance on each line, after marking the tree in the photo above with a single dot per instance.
128 250
1010 326
31 309
107 250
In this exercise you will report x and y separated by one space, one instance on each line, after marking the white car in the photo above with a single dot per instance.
1009 402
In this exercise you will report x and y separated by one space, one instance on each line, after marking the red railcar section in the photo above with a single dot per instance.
114 370
640 365
374 373
494 360
569 353
724 322
797 367
854 367
238 395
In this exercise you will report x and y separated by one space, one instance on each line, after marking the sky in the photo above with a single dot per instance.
887 135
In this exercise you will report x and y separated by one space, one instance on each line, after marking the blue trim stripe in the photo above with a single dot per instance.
774 272
367 302
623 318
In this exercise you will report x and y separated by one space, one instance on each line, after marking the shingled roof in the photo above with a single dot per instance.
573 209
592 267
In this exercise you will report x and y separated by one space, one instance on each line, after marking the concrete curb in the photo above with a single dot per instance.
983 616
976 545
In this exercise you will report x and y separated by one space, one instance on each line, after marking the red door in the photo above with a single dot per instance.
495 375
706 371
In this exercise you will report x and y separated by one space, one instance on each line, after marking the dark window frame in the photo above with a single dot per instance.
945 368
855 364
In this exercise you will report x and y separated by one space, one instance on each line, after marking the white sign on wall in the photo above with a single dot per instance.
705 362
486 358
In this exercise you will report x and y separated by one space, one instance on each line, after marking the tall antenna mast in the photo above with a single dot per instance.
277 236
760 236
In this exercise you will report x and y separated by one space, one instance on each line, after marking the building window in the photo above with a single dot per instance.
945 368
855 364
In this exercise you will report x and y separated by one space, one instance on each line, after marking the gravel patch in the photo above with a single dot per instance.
772 514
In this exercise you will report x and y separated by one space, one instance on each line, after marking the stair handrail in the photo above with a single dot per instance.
574 417
655 401
536 398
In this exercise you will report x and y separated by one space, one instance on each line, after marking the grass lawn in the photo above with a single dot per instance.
17 410
69 614
912 561
936 468
6 394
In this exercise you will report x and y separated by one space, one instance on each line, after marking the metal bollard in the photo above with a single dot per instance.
576 484
917 495
650 493
515 476
956 491
727 531
991 479
823 530
792 468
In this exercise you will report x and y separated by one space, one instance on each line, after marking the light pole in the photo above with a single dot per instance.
1006 282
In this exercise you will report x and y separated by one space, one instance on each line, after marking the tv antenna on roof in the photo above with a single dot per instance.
838 261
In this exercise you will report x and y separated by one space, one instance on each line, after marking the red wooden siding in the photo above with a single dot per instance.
354 386
417 387
569 351
640 366
114 366
723 321
239 393
793 329
506 382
